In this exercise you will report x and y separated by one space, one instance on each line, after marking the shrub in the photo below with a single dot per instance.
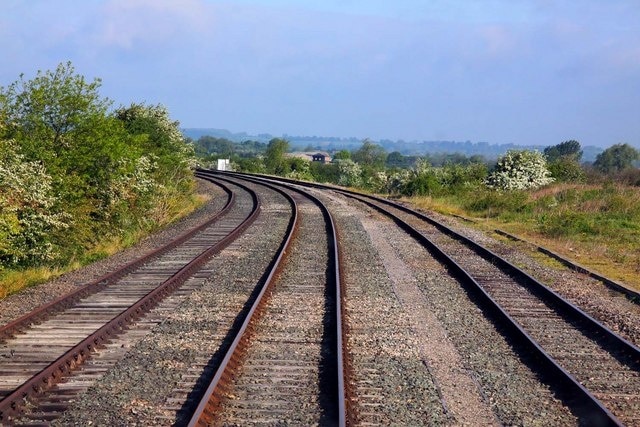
566 169
350 173
520 170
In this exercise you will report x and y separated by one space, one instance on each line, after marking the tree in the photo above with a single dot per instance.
274 156
370 155
616 158
569 149
566 169
71 172
212 145
520 170
395 159
342 155
53 113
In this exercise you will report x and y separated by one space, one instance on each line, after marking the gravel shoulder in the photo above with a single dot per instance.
409 329
611 308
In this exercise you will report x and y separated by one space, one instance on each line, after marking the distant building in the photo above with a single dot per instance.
312 156
223 165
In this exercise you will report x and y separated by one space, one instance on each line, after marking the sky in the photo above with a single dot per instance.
534 72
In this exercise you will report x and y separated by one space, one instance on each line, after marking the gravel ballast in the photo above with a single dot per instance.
151 384
420 350
505 384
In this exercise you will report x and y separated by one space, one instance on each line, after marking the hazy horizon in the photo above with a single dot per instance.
531 72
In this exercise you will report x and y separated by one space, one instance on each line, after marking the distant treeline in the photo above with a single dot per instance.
407 148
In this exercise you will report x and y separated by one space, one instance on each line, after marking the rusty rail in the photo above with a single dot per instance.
205 412
99 284
52 374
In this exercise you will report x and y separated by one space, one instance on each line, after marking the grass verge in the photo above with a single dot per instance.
595 226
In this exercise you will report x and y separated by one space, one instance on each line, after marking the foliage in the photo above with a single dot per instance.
350 173
209 147
568 149
370 155
566 169
616 158
519 170
327 173
297 168
73 173
27 215
342 155
274 160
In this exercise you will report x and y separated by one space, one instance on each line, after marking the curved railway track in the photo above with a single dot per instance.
281 358
45 346
592 368
286 360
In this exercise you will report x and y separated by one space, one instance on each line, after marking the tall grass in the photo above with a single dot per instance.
597 225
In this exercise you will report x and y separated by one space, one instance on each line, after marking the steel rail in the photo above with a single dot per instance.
65 301
587 405
204 414
56 370
632 295
606 335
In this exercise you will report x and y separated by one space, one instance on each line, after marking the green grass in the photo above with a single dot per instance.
597 226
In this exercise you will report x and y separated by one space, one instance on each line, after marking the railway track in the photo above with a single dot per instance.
285 363
48 345
596 371
280 357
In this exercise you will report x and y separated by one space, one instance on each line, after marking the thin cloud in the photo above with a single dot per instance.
130 24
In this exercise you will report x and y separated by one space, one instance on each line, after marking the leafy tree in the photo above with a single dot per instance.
370 155
395 159
342 155
274 156
71 172
520 170
616 158
211 145
59 120
568 149
566 169
350 173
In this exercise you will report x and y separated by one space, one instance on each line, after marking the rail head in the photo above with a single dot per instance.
68 361
204 412
65 301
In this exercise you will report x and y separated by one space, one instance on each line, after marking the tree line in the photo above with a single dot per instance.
74 171
370 167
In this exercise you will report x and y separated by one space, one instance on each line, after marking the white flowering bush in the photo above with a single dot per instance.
520 170
397 181
350 173
378 181
27 214
133 184
300 169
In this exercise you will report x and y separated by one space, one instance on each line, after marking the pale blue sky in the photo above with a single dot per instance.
502 71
